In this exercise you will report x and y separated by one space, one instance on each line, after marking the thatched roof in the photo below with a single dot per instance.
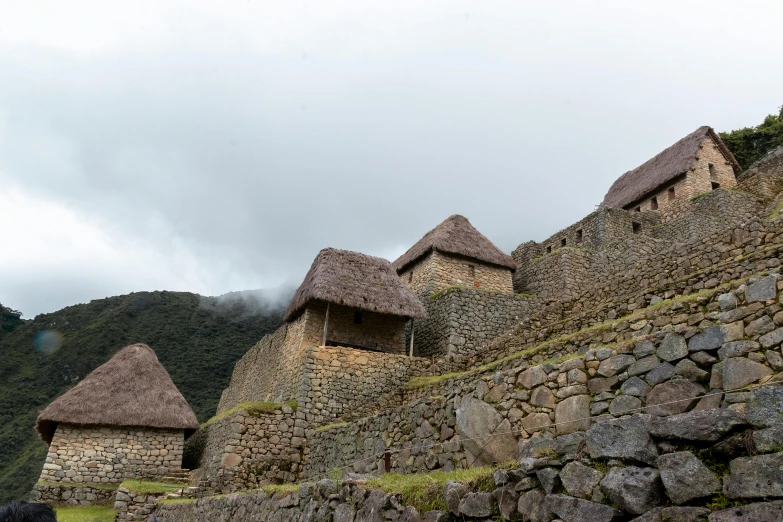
131 389
649 177
456 236
358 281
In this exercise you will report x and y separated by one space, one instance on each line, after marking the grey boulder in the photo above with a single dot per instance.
685 477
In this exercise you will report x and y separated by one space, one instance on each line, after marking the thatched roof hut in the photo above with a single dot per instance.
662 169
455 236
131 389
355 280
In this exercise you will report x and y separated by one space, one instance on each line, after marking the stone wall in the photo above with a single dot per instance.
603 226
438 270
374 331
85 454
636 259
338 380
248 448
770 163
696 354
762 184
71 493
462 321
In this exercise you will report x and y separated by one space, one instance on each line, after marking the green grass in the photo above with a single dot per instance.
699 196
281 488
776 213
330 426
106 487
85 514
146 486
252 408
424 491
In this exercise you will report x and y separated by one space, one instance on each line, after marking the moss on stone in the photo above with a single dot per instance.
283 489
251 408
424 491
330 426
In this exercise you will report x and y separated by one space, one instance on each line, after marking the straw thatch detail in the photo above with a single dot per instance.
455 236
358 281
131 389
649 177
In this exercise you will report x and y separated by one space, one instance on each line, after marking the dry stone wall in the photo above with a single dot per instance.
338 380
462 321
97 454
697 354
71 494
247 449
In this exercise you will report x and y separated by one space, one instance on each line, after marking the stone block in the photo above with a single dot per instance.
755 477
634 489
765 406
571 509
579 480
573 414
685 477
738 372
626 438
672 348
711 338
672 397
757 512
764 289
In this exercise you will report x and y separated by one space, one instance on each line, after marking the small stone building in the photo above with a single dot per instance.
697 164
352 300
126 419
455 254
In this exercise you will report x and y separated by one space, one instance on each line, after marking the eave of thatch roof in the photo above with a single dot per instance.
663 168
131 389
455 235
358 281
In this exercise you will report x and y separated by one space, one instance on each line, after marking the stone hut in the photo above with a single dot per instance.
455 254
352 300
697 164
126 419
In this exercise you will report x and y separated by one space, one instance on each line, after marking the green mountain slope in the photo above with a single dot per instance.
197 339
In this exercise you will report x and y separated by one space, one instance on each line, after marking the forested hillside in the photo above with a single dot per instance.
751 143
197 339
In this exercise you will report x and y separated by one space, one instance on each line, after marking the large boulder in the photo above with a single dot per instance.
685 477
532 377
672 397
477 505
674 514
755 477
626 438
633 489
533 507
710 339
738 372
486 436
573 414
672 347
453 493
762 290
373 507
758 512
578 479
765 406
704 425
571 509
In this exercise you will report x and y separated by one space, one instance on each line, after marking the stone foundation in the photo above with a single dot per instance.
85 454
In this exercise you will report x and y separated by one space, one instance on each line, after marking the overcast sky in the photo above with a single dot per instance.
218 146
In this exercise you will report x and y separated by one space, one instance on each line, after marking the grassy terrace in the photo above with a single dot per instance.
85 514
252 408
146 486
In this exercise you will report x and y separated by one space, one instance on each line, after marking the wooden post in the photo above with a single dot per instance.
326 325
411 350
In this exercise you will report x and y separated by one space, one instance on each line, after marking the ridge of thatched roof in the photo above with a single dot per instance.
356 280
659 170
131 389
455 235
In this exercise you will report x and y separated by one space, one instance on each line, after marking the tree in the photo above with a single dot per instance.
751 143
9 318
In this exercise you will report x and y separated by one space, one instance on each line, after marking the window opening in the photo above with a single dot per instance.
549 249
638 209
579 236
672 195
654 203
713 173
357 318
715 185
410 276
636 227
563 242
472 270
